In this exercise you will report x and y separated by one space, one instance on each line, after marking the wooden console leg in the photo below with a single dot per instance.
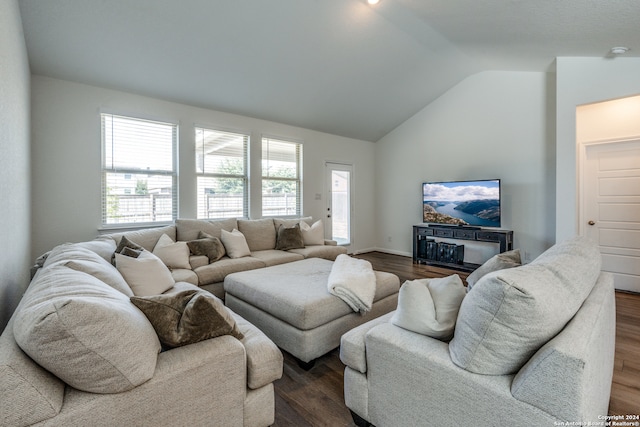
359 421
306 365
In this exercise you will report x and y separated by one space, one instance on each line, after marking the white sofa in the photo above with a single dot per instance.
103 361
533 345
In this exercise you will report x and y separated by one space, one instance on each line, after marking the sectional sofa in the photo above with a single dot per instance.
261 236
77 352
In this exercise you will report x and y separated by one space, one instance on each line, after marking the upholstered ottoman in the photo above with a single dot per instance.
291 304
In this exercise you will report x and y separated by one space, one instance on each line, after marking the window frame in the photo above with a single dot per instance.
244 177
298 179
132 171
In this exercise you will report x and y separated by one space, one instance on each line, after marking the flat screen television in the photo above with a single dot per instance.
462 203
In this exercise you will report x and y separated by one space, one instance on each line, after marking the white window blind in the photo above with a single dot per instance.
221 168
139 179
281 178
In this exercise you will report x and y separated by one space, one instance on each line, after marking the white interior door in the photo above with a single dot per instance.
610 211
339 179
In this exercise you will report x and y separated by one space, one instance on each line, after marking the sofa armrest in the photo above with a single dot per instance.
210 375
264 358
352 344
408 370
576 366
330 242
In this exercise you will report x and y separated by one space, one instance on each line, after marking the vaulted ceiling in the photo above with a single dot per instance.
336 66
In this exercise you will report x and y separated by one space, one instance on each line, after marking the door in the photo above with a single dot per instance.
339 178
610 211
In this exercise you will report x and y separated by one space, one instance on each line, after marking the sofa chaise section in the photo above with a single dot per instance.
218 381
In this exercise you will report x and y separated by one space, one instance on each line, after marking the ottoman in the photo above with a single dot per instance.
291 304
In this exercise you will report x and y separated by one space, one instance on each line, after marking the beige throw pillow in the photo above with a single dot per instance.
235 244
173 254
312 234
430 306
187 317
145 275
500 261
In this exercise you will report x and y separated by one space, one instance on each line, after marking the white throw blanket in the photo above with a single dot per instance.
354 281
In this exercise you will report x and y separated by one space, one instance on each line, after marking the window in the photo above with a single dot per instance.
221 168
281 178
138 171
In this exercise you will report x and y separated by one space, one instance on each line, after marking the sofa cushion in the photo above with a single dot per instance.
260 233
430 306
207 245
146 274
85 332
187 317
103 271
290 222
289 238
321 251
77 257
184 275
511 313
264 358
173 254
216 272
147 238
189 229
29 393
497 262
274 257
313 234
104 246
235 244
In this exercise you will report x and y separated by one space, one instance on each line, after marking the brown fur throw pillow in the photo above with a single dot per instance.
207 245
187 317
289 238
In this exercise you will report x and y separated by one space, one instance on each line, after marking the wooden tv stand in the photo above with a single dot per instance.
423 232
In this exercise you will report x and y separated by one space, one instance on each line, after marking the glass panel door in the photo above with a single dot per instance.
339 179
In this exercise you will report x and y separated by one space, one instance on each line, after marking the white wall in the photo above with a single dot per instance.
608 120
66 159
491 125
583 81
15 180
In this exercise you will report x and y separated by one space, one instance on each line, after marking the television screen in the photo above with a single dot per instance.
462 203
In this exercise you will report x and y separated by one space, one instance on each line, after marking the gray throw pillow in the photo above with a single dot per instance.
500 261
207 245
123 246
187 317
289 238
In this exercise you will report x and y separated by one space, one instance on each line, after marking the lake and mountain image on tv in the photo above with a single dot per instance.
462 203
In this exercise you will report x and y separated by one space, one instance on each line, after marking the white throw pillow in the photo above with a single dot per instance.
312 234
145 275
235 243
430 306
173 254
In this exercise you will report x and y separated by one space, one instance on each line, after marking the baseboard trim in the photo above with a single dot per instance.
384 250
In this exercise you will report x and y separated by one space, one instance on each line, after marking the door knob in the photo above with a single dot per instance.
591 222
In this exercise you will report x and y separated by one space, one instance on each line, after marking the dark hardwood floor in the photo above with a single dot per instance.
316 397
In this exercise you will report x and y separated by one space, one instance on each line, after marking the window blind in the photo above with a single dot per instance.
281 178
221 168
139 178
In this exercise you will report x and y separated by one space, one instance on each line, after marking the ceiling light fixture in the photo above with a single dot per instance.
372 2
619 50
